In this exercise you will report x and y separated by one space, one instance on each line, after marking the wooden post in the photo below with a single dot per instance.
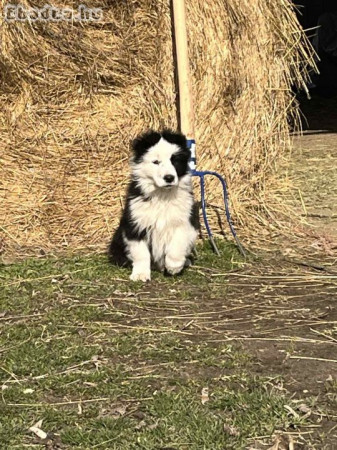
186 111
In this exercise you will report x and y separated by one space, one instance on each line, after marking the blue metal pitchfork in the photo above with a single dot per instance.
201 175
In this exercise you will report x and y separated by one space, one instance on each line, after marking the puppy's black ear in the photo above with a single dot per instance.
142 144
175 138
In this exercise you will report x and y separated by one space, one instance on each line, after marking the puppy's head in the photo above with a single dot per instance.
160 160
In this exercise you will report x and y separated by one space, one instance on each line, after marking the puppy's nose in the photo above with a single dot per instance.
169 178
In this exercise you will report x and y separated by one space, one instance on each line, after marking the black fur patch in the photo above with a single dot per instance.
117 248
194 216
143 142
175 138
180 162
180 159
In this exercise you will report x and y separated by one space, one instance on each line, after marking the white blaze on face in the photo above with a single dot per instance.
156 167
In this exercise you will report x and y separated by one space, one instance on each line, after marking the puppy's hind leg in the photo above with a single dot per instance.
140 256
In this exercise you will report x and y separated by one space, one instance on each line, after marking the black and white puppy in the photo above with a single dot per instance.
160 221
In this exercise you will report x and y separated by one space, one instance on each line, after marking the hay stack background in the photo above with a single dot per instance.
73 96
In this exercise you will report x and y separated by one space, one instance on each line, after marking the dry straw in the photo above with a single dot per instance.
74 95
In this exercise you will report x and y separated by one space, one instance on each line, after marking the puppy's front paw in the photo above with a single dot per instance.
174 267
140 276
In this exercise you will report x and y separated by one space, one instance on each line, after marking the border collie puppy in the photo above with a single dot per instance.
160 220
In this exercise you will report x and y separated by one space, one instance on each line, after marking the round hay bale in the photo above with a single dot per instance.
73 95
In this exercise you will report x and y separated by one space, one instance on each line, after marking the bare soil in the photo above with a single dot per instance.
289 318
286 318
283 309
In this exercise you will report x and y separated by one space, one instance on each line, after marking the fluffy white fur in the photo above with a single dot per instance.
165 215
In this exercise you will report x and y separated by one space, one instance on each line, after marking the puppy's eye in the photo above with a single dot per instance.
156 162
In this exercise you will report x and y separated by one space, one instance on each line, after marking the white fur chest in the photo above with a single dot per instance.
161 215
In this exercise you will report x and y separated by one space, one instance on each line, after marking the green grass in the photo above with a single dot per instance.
107 363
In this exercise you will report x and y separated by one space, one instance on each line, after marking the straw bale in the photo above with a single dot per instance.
72 96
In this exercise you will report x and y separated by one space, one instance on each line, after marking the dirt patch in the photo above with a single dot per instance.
280 313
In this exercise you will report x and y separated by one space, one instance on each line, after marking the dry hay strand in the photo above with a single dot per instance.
73 95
